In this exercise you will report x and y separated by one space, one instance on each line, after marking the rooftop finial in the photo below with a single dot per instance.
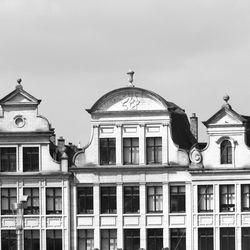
131 78
226 99
19 86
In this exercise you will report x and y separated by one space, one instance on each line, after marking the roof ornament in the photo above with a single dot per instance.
131 78
226 104
19 85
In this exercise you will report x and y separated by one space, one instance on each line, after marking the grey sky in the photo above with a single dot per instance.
70 53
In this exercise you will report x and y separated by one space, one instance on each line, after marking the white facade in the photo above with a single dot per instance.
143 181
27 168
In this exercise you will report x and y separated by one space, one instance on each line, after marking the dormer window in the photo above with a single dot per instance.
226 152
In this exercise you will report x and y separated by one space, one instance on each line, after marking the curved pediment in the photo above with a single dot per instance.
131 99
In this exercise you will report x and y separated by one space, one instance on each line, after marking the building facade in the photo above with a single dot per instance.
142 182
30 174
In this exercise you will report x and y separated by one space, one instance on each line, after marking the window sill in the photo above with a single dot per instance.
108 215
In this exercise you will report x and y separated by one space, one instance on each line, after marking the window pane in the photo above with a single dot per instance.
205 240
154 239
226 152
7 159
85 239
108 199
30 159
178 238
131 239
177 199
9 240
227 239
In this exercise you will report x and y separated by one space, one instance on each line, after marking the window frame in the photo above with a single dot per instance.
208 198
226 152
245 238
155 198
53 197
206 235
228 238
9 168
10 204
132 150
110 197
32 198
131 198
245 198
54 239
155 149
108 152
10 236
112 236
88 236
176 197
155 237
30 155
32 240
229 196
85 198
132 235
180 235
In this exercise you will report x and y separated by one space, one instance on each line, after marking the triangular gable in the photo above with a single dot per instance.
225 116
19 96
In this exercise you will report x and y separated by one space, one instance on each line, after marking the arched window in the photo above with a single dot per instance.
226 152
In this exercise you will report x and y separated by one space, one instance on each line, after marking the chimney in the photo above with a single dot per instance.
194 125
61 144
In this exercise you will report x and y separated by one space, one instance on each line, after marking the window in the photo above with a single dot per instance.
54 201
131 239
227 238
54 240
108 239
131 151
177 199
226 152
108 200
131 199
7 159
227 198
245 197
205 198
154 150
9 239
85 239
85 200
154 239
30 159
178 238
245 237
8 198
205 239
31 240
107 151
154 198
33 200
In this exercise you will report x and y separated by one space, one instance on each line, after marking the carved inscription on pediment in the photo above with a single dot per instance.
131 102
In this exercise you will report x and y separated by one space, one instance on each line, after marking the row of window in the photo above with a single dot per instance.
130 150
85 239
131 199
153 151
32 239
8 155
53 200
8 159
155 239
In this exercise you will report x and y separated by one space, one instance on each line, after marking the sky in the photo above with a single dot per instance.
70 53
